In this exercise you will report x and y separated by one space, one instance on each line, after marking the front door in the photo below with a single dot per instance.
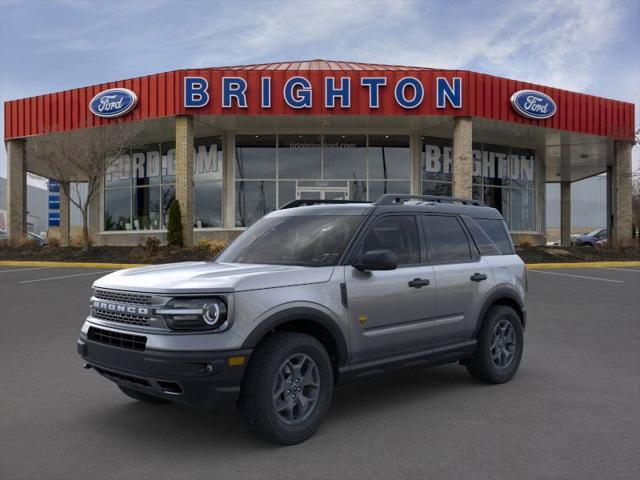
390 312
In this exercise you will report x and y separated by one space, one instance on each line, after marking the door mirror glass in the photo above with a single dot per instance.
377 260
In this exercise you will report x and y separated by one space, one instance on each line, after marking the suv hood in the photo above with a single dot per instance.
204 277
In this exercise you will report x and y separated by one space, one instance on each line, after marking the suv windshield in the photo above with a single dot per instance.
309 241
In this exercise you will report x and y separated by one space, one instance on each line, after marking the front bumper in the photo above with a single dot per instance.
206 380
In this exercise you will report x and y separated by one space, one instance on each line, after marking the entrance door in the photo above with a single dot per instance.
322 193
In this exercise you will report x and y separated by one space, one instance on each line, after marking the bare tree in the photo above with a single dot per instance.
82 156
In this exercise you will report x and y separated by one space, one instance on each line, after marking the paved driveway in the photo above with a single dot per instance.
572 412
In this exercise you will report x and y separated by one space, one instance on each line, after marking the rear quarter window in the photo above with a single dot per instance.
498 233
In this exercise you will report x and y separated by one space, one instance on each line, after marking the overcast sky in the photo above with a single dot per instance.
582 45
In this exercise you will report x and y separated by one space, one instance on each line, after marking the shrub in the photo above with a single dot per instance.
54 242
174 226
212 247
152 245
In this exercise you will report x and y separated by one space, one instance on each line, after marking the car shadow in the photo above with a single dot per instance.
223 431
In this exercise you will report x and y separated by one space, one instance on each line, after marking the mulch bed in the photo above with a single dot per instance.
105 254
173 254
577 254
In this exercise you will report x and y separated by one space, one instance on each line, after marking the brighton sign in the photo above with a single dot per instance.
297 92
533 104
113 103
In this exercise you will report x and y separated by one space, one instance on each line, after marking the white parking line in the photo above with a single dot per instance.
621 269
64 276
578 276
23 269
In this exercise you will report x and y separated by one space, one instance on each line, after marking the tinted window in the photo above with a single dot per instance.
497 231
396 233
448 241
483 242
309 241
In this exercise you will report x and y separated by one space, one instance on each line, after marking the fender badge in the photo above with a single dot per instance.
362 319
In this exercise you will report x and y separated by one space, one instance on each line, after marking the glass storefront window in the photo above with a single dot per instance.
389 157
345 156
437 164
117 209
436 188
381 187
146 208
149 173
300 156
503 178
254 199
256 156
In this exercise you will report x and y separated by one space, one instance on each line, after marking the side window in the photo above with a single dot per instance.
497 231
483 242
398 233
448 241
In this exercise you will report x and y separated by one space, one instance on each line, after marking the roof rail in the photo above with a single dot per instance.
391 199
316 201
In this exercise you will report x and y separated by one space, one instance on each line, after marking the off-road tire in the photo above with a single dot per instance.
141 396
256 404
482 366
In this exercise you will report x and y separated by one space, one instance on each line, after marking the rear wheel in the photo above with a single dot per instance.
287 388
141 396
499 349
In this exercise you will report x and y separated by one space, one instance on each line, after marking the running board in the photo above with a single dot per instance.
426 358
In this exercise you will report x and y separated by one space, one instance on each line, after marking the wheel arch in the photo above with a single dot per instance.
305 320
507 296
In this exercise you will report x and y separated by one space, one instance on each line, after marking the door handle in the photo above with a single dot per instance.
419 283
478 277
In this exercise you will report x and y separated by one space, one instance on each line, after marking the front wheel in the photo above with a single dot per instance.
287 388
499 349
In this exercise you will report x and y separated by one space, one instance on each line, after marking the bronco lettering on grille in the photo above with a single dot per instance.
114 307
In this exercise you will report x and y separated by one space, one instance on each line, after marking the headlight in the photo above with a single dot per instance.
195 313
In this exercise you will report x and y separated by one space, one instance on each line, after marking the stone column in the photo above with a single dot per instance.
228 181
462 157
184 174
565 213
415 147
16 191
621 234
65 215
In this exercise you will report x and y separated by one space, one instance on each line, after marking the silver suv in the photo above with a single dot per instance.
312 295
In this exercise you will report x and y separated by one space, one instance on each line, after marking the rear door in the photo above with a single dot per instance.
389 311
462 278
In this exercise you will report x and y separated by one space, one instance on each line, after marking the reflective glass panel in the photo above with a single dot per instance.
345 156
208 204
146 208
255 156
389 157
253 200
117 209
300 156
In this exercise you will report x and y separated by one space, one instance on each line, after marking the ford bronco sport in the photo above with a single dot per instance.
312 295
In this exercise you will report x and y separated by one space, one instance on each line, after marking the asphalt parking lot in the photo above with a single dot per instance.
572 412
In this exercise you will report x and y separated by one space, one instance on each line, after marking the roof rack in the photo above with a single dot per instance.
316 201
391 199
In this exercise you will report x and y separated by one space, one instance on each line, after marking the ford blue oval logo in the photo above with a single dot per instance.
114 102
533 104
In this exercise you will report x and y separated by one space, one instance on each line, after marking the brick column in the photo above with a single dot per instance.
565 213
415 147
184 174
228 180
462 157
65 215
621 185
16 191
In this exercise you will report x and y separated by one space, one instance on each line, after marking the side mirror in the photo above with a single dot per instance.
377 260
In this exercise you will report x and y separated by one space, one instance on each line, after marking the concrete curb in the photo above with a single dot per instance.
29 263
531 266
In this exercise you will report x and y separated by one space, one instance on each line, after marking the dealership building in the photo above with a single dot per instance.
234 143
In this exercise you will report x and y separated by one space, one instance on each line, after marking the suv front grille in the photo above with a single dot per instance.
117 339
127 318
123 297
